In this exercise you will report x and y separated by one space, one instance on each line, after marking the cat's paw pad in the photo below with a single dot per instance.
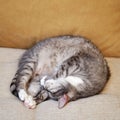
29 102
22 94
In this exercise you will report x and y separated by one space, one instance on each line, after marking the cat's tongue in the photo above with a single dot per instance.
63 101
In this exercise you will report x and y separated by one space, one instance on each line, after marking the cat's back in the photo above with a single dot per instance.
63 47
61 41
68 46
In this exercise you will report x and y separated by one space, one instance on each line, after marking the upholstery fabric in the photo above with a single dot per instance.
25 22
105 106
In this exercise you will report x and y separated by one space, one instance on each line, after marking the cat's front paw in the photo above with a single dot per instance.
29 102
54 88
22 94
27 99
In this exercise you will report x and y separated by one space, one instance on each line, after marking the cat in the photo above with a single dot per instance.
63 68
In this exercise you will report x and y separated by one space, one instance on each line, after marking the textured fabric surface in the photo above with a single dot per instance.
105 106
100 107
11 109
24 22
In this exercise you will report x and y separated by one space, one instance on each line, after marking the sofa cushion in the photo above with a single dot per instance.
99 107
105 106
24 22
12 109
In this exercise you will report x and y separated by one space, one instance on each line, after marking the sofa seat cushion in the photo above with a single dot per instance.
99 107
103 106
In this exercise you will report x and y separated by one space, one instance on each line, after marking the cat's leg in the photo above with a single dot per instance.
67 78
63 89
55 87
58 90
20 82
36 90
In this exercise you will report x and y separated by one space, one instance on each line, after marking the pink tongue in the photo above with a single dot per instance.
63 101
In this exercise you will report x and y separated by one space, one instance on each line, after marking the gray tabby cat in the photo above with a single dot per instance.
62 68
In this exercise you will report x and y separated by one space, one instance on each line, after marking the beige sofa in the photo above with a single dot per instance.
24 22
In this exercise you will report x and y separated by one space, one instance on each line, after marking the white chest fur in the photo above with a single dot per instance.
75 81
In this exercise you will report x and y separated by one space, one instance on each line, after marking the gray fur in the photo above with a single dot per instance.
57 58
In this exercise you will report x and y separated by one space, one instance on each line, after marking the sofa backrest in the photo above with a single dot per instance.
25 22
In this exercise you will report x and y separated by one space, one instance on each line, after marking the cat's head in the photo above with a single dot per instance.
60 95
41 96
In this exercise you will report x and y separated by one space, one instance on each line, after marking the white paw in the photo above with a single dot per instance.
29 102
42 81
22 94
27 99
52 85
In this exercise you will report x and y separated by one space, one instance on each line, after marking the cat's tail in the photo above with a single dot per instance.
107 69
13 87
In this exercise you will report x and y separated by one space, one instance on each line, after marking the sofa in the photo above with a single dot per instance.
25 22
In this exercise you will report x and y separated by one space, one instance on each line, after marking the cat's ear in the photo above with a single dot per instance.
63 101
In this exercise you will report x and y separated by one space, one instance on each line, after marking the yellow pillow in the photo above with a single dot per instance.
24 22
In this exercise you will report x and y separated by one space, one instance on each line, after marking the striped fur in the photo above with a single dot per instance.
68 65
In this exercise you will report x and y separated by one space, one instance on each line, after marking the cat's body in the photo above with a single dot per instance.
62 68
